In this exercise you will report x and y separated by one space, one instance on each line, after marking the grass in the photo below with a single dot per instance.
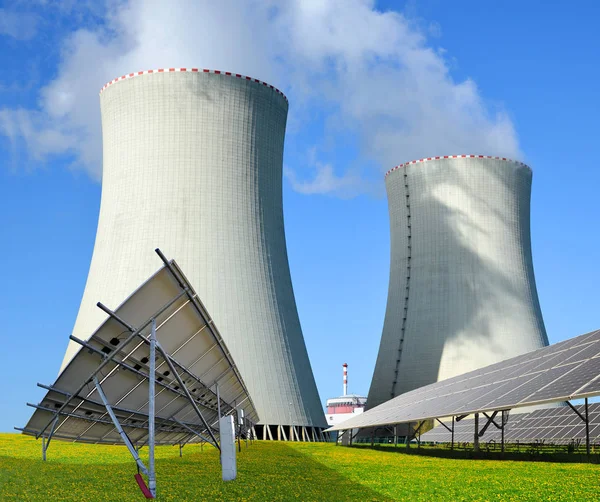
274 471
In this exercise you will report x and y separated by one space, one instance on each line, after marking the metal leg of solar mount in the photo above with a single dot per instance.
239 430
587 428
476 435
504 420
408 436
488 423
120 430
152 411
373 437
450 430
418 431
585 420
46 442
167 359
218 401
395 435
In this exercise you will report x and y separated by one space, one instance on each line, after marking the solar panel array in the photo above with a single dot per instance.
559 425
195 348
560 372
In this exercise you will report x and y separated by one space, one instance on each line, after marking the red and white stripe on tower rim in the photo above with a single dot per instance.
192 70
428 159
345 366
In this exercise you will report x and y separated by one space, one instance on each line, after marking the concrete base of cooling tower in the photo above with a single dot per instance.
304 433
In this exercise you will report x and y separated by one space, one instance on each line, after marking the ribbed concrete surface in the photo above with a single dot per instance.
193 165
462 291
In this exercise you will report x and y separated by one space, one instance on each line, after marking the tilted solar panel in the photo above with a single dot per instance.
190 346
561 372
558 425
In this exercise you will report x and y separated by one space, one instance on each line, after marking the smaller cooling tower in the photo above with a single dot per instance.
462 291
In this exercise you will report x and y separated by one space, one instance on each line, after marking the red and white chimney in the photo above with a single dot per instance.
345 366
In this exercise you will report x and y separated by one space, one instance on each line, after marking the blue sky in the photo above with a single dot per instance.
516 78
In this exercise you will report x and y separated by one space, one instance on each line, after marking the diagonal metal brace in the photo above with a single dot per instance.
194 432
124 436
416 431
51 431
576 411
492 419
489 422
167 359
442 423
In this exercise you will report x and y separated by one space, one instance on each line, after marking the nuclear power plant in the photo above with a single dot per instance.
462 291
345 406
192 164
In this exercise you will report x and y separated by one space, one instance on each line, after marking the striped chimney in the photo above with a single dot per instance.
345 366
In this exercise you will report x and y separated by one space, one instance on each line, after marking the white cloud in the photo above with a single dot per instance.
19 25
324 181
371 74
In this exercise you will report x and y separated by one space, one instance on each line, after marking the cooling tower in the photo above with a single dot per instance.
462 291
192 163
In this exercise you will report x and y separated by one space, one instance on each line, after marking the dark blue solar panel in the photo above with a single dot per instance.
560 372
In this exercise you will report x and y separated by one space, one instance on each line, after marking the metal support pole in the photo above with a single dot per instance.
476 436
120 430
586 420
395 435
46 444
52 431
502 430
372 437
180 450
452 443
152 411
408 438
218 401
239 429
587 428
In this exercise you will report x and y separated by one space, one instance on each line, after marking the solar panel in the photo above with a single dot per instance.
563 371
558 425
190 344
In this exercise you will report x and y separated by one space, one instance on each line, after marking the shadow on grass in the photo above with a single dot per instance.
528 454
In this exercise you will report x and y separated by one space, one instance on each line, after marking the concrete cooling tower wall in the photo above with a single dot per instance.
462 291
193 165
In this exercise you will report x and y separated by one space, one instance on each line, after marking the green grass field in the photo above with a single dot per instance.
282 471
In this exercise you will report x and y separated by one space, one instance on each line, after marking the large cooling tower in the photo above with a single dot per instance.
193 165
462 291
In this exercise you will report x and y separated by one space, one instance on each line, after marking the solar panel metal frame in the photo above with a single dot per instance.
512 383
190 341
557 426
